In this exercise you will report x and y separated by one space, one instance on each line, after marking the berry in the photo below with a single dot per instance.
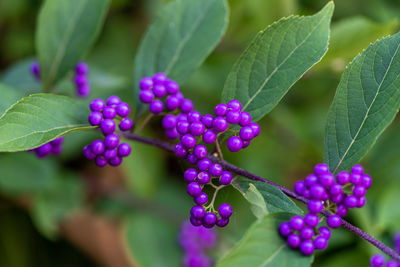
201 199
97 147
193 116
284 229
124 150
220 124
246 133
97 104
245 119
357 169
200 151
169 121
195 222
81 68
87 152
113 100
343 177
180 150
221 109
327 179
297 222
361 202
338 198
226 178
116 161
306 233
311 220
171 133
245 144
207 120
222 222
100 161
366 181
209 220
204 164
317 191
159 90
156 106
315 206
234 143
80 80
335 189
159 78
359 191
392 263
186 105
351 201
300 187
235 105
110 153
321 168
197 212
209 137
172 87
197 128
225 210
293 240
122 110
43 150
233 117
320 242
256 128
341 210
126 124
325 232
35 69
182 127
377 260
215 170
355 178
194 189
311 179
111 141
84 90
307 247
146 96
109 112
334 221
107 126
146 83
172 103
188 140
191 159
203 177
95 118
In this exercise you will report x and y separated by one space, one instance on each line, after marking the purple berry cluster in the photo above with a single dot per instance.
302 233
104 114
336 195
195 242
81 79
53 147
380 261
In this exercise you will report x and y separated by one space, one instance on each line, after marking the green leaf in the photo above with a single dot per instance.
19 76
182 36
23 173
262 246
265 198
366 101
276 59
8 97
52 206
161 237
66 30
351 35
38 119
388 213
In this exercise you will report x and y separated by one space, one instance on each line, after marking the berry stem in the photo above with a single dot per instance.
219 147
144 123
241 172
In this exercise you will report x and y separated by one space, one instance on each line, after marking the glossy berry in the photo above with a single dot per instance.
325 232
194 189
225 210
197 128
124 150
311 220
146 83
335 189
97 104
122 110
188 140
116 161
146 96
307 247
366 181
159 91
109 112
201 199
43 150
285 229
320 243
299 187
101 161
107 126
156 107
221 109
197 212
180 150
245 119
159 78
191 159
209 137
209 219
190 174
113 100
215 170
361 202
204 164
193 116
207 120
172 87
182 127
350 201
234 144
172 103
256 128
111 141
334 221
98 147
226 178
220 124
317 191
358 169
377 260
321 168
343 177
306 233
293 240
311 179
233 117
235 105
297 222
110 153
87 152
392 263
195 222
326 179
200 151
95 118
359 191
186 105
203 177
222 222
169 121
246 133
341 210
356 178
125 124
315 206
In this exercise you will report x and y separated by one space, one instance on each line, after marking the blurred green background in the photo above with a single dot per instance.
290 143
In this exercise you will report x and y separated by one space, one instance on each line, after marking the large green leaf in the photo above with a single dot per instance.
366 102
18 76
265 198
143 232
8 97
38 119
66 30
262 246
181 37
276 59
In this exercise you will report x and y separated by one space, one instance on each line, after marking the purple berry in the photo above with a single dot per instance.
220 124
193 116
235 105
207 120
351 201
124 150
98 147
359 191
366 181
84 90
358 169
101 161
320 243
188 140
338 198
246 133
315 206
197 212
56 149
297 222
146 83
307 194
191 159
113 100
307 247
209 137
361 202
325 232
209 220
95 118
172 87
201 199
221 109
35 69
306 233
109 112
222 222
256 128
146 96
171 133
195 222
377 260
172 103
327 179
234 143
126 124
311 179
81 68
392 263
159 90
311 220
284 229
156 107
110 154
43 150
233 117
293 240
225 210
107 126
321 168
159 78
355 178
122 110
169 121
245 118
335 189
87 152
200 151
194 189
97 104
197 128
216 170
317 191
180 150
182 127
80 80
300 187
334 221
343 177
111 141
226 178
204 164
203 177
186 106
341 210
